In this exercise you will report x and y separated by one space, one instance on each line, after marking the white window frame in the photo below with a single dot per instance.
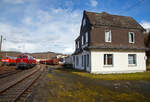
133 59
129 36
86 38
107 40
107 59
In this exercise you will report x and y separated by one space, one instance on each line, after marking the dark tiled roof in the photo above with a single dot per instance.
105 19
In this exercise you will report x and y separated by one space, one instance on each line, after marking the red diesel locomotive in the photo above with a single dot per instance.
8 60
25 61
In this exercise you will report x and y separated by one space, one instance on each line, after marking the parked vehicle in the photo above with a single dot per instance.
25 61
53 61
8 60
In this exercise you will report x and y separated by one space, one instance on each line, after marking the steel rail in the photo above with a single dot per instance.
19 95
6 74
8 87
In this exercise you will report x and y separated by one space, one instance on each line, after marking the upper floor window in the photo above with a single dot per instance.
84 22
86 34
107 36
131 37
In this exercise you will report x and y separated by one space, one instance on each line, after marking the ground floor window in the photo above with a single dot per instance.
77 60
73 58
82 60
108 59
87 60
131 59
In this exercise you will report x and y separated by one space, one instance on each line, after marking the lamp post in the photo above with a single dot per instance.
1 43
5 48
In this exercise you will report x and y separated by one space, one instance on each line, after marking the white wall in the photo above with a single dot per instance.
120 62
79 66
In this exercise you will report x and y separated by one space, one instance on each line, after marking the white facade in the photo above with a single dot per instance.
83 63
120 63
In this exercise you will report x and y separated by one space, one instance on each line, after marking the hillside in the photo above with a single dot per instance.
38 55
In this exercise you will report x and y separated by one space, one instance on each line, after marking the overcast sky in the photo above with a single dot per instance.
53 25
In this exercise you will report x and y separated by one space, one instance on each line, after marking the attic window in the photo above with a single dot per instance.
131 37
78 44
108 36
82 39
84 22
86 34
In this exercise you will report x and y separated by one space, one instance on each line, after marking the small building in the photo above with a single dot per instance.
68 59
109 44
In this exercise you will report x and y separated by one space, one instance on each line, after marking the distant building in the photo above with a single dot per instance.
68 60
109 44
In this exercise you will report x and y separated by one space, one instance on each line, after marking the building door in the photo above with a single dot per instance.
84 62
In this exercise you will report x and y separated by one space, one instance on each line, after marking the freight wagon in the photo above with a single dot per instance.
53 61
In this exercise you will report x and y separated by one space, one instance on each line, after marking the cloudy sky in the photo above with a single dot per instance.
53 25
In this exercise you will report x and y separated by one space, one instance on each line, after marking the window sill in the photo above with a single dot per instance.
108 65
131 42
132 65
108 41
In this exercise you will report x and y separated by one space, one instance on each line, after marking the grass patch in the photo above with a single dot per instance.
67 87
127 76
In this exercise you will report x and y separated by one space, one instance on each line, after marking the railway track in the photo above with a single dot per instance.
6 74
13 91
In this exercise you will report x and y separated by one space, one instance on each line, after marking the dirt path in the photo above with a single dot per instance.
63 86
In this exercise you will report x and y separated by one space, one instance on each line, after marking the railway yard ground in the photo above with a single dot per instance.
17 85
60 84
68 85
